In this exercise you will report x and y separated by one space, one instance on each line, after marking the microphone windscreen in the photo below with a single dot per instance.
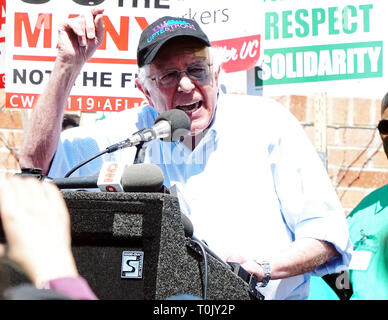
142 177
179 122
187 225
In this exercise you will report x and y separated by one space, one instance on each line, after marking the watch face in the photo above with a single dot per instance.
267 272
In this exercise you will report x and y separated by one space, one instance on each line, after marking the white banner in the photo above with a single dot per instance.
107 81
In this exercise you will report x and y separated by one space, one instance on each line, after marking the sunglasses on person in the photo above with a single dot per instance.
170 78
383 126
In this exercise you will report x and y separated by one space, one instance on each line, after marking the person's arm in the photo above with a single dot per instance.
309 204
78 39
73 287
36 225
302 256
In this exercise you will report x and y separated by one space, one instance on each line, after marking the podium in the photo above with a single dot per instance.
133 246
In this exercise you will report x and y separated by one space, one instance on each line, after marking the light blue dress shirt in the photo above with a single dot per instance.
253 184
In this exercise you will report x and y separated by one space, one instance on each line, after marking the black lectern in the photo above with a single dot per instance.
133 246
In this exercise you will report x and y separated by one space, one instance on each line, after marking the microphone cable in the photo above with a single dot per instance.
109 149
85 162
205 277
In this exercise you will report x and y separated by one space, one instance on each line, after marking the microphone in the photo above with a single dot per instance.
168 126
141 177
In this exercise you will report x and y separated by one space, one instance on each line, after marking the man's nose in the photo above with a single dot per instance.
185 83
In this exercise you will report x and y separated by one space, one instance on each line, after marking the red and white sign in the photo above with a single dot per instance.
243 53
107 81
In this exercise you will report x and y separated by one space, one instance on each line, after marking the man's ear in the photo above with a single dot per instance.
140 85
217 75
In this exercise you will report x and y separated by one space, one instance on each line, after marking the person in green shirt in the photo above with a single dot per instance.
368 228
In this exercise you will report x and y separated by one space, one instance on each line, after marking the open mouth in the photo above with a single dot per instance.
190 107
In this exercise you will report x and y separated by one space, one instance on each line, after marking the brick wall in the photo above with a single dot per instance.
11 137
356 162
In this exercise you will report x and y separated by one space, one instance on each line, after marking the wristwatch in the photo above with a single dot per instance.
267 273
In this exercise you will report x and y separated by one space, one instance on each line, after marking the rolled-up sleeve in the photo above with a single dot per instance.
308 201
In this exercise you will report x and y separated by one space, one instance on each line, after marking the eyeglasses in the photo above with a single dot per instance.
383 126
169 78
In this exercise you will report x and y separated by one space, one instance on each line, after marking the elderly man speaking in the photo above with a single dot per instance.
245 173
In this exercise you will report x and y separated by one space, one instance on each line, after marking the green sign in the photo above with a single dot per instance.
321 63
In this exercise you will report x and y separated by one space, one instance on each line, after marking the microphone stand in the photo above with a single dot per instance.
140 153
